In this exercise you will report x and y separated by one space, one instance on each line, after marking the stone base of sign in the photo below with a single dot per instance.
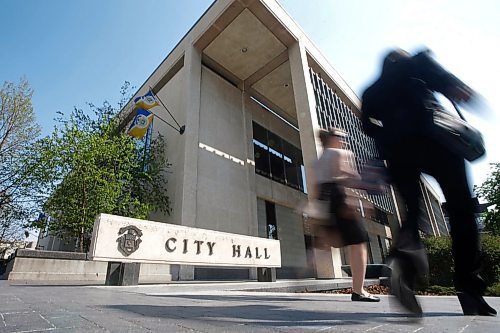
123 274
36 265
265 274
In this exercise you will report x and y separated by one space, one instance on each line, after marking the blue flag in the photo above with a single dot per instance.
146 101
140 124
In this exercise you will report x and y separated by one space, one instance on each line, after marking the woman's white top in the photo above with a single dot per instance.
334 166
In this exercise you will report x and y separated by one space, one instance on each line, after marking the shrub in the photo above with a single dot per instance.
490 248
494 290
441 261
438 290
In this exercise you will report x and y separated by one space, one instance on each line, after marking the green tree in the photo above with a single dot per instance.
18 132
89 167
490 191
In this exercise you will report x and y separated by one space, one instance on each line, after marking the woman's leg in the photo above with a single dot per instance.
358 267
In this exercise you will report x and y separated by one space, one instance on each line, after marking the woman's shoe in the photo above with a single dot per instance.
474 305
362 298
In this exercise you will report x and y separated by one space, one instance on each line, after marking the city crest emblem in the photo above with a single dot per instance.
129 240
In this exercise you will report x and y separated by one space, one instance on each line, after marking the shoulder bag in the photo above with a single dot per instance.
457 134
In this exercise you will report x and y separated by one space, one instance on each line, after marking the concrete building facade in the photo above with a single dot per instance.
252 91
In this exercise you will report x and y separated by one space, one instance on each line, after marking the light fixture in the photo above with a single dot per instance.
244 50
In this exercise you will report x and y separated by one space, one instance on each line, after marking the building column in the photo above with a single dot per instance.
305 103
192 69
253 226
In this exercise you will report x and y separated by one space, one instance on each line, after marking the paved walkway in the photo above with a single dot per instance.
219 307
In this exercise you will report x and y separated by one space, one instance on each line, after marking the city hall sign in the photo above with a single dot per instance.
118 238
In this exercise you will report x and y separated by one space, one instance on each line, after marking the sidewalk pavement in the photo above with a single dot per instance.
221 307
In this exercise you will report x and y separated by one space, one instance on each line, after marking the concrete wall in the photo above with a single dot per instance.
222 196
173 95
291 236
47 269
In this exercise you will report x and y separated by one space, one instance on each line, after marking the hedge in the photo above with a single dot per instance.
441 261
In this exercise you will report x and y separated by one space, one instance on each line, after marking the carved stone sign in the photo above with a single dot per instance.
117 238
129 240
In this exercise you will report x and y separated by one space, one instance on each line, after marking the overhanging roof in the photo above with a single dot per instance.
246 42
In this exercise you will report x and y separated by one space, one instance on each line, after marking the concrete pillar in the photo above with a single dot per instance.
305 104
123 274
328 263
192 70
266 274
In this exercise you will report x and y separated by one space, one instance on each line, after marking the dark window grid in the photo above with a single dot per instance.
345 113
346 121
331 102
336 110
316 96
330 95
325 119
364 151
345 126
331 113
358 132
276 158
323 103
314 78
325 122
329 120
262 164
322 87
337 117
317 85
320 116
355 139
332 118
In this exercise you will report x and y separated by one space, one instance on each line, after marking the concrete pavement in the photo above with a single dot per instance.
221 307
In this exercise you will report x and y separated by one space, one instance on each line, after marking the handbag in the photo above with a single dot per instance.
457 134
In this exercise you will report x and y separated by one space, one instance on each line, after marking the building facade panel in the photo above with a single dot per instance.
173 96
291 236
222 161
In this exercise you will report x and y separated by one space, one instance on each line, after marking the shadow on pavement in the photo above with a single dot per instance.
252 298
266 315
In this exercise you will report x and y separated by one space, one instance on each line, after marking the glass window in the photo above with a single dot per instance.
272 228
259 133
261 158
292 164
277 159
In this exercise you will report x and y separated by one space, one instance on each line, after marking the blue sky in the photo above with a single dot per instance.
78 51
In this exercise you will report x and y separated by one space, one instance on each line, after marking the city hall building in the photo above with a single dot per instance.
252 92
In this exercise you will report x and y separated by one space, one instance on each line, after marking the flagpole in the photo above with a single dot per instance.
160 118
181 128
